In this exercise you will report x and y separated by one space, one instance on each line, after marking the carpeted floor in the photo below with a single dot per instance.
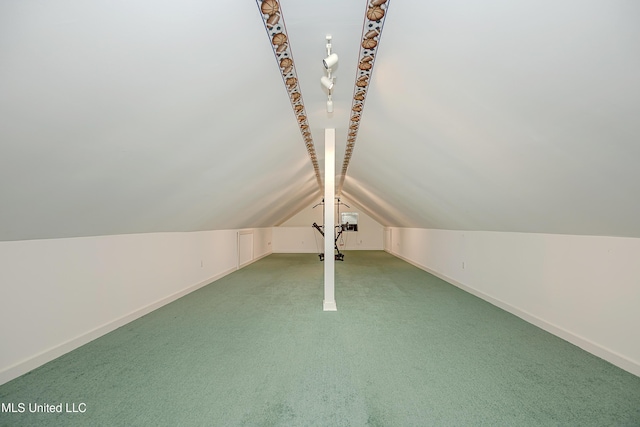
255 349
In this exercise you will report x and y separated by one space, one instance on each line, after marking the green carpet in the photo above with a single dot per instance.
255 349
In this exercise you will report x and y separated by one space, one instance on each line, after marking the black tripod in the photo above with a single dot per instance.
339 256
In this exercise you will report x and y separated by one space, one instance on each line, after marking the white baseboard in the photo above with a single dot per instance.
585 344
50 354
264 255
259 257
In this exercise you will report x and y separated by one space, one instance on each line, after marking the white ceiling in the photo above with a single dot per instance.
141 116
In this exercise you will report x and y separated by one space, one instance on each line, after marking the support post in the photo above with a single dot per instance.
329 303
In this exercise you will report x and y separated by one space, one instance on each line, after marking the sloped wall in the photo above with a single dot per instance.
58 294
296 235
584 289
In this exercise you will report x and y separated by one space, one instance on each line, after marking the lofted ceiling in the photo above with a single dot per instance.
142 116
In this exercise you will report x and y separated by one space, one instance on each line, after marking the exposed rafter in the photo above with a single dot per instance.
375 16
279 39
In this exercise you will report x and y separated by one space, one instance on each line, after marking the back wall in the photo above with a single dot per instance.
296 235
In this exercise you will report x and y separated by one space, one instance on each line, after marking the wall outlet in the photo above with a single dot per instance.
463 265
201 263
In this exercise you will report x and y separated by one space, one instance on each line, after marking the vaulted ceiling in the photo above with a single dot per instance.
143 116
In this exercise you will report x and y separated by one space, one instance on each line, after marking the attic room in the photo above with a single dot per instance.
162 165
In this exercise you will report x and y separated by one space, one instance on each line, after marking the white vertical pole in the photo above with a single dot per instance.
329 303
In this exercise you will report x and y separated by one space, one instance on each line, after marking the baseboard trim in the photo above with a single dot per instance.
610 356
259 257
264 255
52 353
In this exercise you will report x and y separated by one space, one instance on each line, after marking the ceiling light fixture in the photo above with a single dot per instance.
328 81
330 60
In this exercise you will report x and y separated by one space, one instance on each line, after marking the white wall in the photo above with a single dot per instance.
262 242
58 294
297 240
296 235
585 289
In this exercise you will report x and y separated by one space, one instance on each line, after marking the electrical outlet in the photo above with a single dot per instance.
201 263
463 265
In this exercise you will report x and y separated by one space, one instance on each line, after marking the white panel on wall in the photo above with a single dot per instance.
245 247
